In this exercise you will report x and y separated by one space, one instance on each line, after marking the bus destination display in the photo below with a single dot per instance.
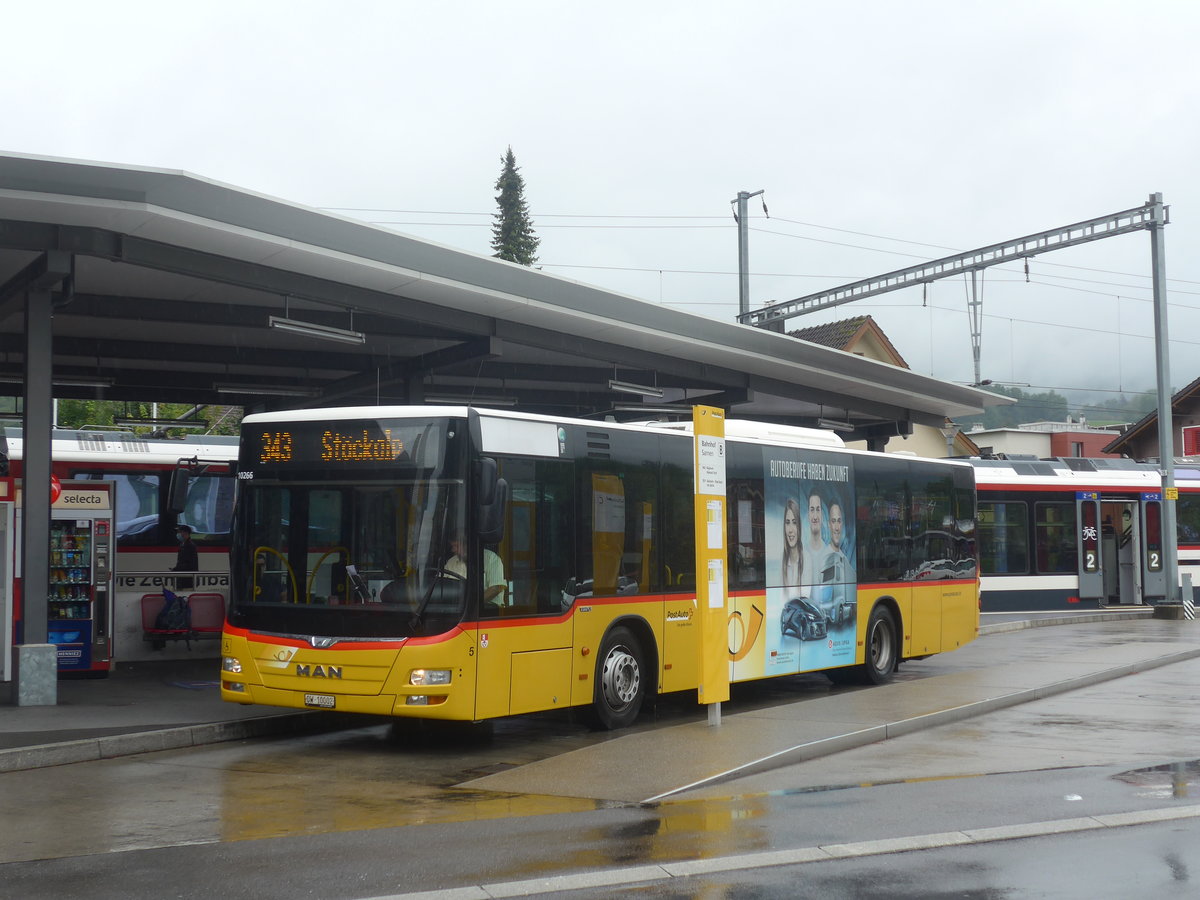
341 444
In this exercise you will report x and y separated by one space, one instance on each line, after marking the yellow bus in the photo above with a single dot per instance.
465 564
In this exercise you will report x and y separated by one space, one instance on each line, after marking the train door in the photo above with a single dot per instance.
1093 548
1112 567
1148 527
1122 542
524 652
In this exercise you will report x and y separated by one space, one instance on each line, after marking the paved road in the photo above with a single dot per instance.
368 813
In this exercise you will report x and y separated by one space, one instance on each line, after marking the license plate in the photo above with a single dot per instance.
321 701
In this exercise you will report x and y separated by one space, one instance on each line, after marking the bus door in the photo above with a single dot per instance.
525 638
1149 527
1091 556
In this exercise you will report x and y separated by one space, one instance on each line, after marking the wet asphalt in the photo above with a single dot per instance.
155 706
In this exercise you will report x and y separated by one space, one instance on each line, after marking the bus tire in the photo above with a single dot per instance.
882 651
620 684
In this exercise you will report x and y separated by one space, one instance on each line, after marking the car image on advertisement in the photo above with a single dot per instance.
801 619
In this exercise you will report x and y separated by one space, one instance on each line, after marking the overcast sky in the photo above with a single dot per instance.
883 133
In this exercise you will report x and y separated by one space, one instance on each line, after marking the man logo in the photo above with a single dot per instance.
318 671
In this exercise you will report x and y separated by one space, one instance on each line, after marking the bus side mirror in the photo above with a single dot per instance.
487 474
177 491
491 516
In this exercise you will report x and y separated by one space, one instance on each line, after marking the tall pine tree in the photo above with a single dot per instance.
512 233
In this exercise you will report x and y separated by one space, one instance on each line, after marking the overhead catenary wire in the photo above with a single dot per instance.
1044 278
722 222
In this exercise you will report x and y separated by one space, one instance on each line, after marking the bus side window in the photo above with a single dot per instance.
745 517
618 522
537 547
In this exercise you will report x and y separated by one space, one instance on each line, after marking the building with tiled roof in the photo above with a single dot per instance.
862 336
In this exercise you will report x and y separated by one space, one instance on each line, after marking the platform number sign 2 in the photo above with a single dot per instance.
1089 533
1152 509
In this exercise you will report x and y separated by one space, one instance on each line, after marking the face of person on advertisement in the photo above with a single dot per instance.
814 517
835 526
791 527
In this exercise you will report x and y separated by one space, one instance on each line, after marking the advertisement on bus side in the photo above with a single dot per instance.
811 584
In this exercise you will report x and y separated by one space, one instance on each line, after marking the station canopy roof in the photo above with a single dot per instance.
177 280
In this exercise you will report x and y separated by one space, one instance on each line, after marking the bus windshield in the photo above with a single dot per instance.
348 550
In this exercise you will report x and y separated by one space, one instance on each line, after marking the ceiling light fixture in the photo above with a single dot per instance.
65 380
835 424
82 381
470 400
157 423
313 330
265 390
629 387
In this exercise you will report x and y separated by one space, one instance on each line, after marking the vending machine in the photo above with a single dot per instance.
80 588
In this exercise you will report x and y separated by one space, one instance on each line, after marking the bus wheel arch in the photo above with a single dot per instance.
623 668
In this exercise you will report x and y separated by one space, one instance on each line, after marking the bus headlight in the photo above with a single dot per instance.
231 664
429 676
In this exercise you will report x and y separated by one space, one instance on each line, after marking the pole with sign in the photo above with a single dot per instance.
708 429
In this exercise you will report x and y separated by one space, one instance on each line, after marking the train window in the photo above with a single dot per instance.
1003 538
1055 537
1187 515
136 495
209 508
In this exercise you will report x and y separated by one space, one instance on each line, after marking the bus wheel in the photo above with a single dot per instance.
620 681
882 647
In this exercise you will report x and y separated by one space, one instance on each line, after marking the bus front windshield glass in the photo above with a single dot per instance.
344 557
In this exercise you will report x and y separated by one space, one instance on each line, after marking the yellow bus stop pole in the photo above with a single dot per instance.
708 429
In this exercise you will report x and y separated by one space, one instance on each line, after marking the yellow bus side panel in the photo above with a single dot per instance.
960 615
925 625
541 680
680 633
499 692
508 667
